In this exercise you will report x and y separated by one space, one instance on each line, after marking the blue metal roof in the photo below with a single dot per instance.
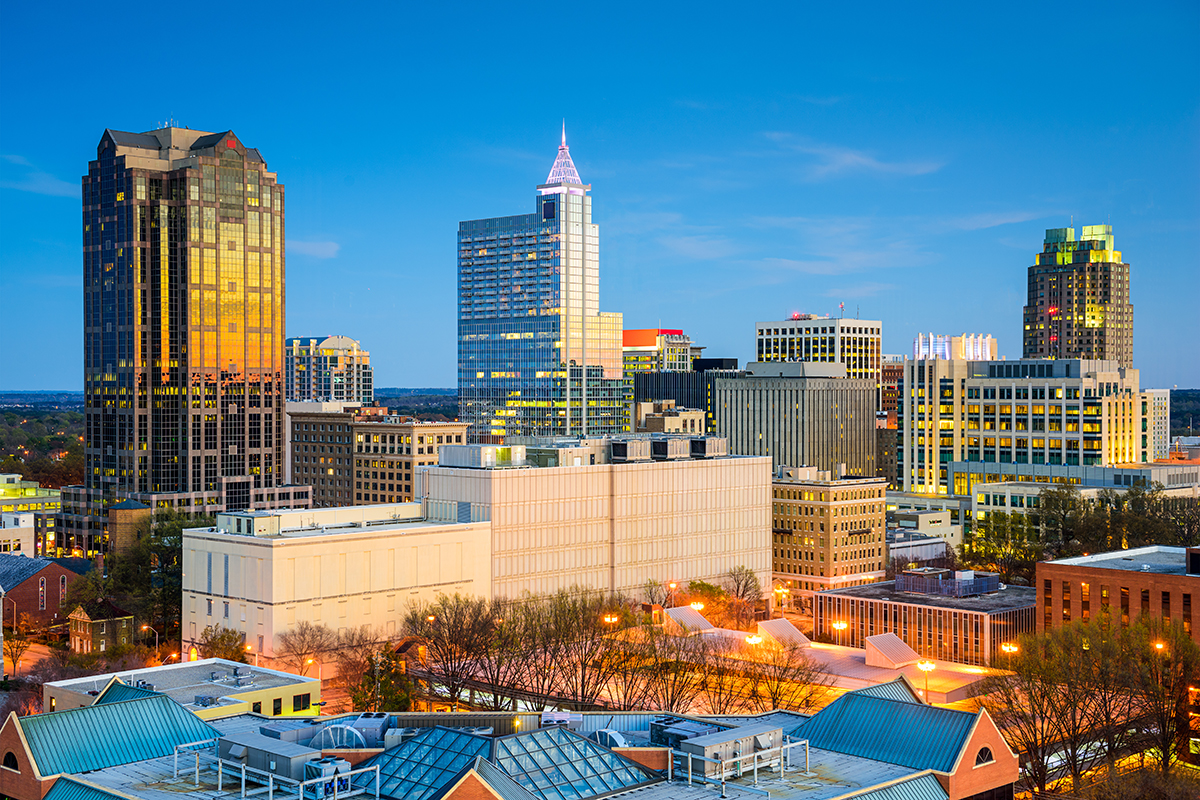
135 730
73 789
15 570
919 787
493 777
883 730
898 690
118 691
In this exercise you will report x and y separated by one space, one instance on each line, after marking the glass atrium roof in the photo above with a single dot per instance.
552 764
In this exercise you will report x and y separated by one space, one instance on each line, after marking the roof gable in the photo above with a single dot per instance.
889 651
15 570
71 788
900 690
923 786
881 729
117 691
135 730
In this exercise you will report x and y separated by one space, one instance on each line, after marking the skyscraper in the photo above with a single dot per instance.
536 356
1078 305
183 263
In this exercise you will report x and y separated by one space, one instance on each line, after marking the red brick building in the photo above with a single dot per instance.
34 586
1156 580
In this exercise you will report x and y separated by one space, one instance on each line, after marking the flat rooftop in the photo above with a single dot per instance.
1007 599
183 682
1159 559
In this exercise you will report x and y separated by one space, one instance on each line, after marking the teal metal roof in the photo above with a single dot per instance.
883 730
72 789
896 690
95 737
919 787
118 691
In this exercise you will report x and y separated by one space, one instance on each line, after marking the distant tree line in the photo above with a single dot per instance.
43 445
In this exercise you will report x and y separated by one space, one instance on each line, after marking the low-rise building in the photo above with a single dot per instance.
930 523
100 626
208 688
21 495
34 588
18 532
262 573
1156 581
354 455
695 389
663 416
909 547
827 533
608 513
962 617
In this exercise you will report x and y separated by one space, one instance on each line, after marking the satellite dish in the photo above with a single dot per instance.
334 737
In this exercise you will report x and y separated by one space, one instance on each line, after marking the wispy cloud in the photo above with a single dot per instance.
314 249
701 247
994 219
859 290
32 179
829 160
844 245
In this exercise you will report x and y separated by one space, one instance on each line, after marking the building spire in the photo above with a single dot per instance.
564 170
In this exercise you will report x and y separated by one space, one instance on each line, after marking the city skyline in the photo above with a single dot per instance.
779 174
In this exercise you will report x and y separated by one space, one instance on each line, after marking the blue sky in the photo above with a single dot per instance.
746 161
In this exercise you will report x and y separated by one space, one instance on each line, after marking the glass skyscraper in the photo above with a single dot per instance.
536 356
183 263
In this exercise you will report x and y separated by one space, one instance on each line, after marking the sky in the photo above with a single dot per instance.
746 162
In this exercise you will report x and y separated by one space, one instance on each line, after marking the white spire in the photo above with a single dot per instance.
564 170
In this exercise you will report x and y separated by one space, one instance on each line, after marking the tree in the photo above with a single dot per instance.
220 642
354 649
674 669
1021 702
1059 510
581 664
723 683
1164 660
16 644
785 677
503 663
456 631
743 583
383 686
656 593
306 642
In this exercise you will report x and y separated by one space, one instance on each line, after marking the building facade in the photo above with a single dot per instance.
696 389
856 343
327 369
664 416
536 356
1078 304
1063 412
359 456
607 514
34 589
967 347
263 572
1159 423
800 413
1156 581
183 263
657 350
827 533
965 629
100 627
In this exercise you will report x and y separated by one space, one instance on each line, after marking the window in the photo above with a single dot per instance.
256 708
226 610
984 756
41 594
10 760
62 588
277 706
301 702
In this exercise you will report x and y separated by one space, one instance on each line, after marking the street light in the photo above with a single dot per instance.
320 666
611 619
672 586
783 592
755 639
168 658
1009 648
840 626
926 667
250 649
148 628
697 606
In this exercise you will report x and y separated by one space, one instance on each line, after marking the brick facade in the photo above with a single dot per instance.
28 596
20 783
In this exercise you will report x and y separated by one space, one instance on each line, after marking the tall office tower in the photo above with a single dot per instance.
183 263
658 350
1079 299
329 369
536 356
968 347
857 343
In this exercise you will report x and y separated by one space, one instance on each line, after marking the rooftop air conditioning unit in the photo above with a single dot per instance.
334 770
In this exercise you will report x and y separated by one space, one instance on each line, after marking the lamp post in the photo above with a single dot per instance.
839 626
168 658
148 628
250 649
926 666
320 666
611 619
782 592
696 606
671 597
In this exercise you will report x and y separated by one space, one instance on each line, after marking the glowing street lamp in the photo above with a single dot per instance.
782 592
611 619
926 667
320 666
168 658
672 586
697 606
1009 647
148 628
840 626
755 639
250 649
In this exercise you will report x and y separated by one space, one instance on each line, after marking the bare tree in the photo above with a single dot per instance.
1109 678
16 644
455 630
630 684
541 652
502 662
724 682
785 677
306 642
1072 710
354 649
656 593
582 666
675 674
743 583
1021 701
1165 661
